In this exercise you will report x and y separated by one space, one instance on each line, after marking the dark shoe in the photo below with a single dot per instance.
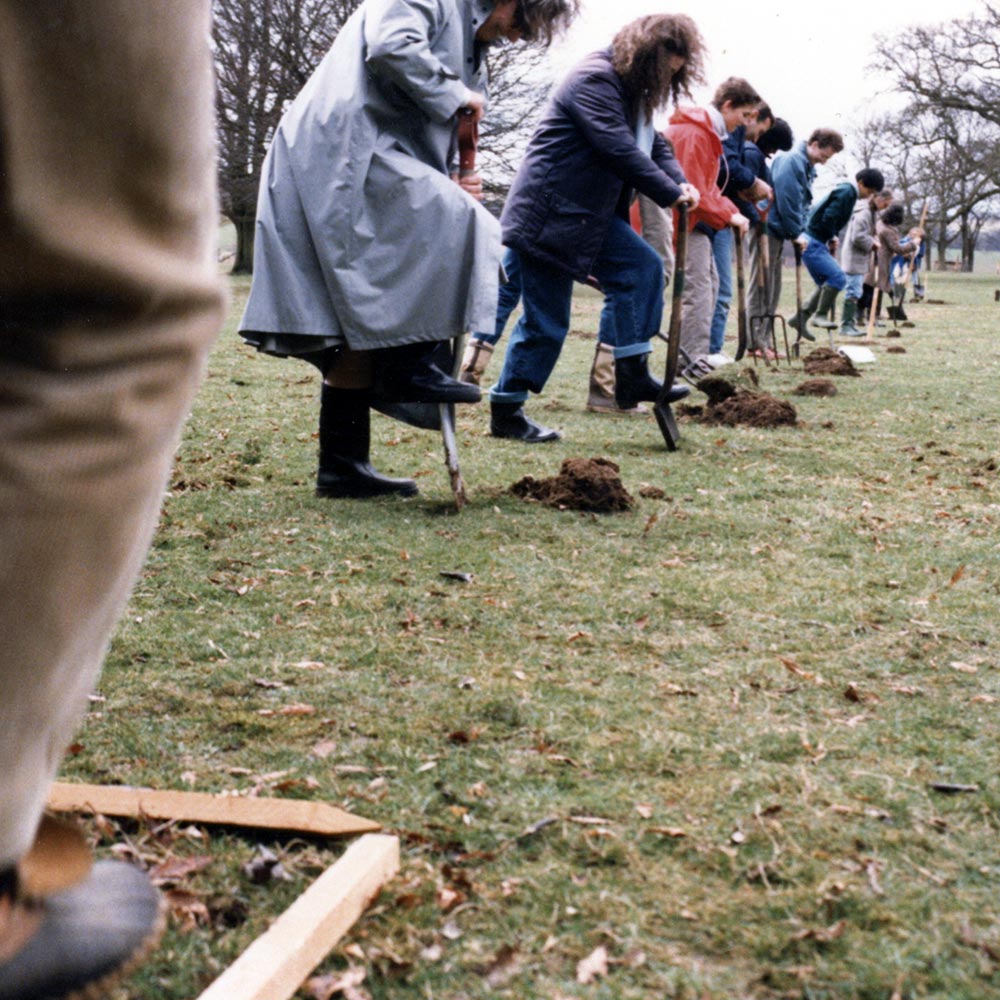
508 420
633 383
413 374
344 442
79 941
343 478
678 392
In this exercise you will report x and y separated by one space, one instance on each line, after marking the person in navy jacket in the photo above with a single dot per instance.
566 216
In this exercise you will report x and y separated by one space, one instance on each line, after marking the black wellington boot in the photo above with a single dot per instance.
416 373
634 384
508 420
344 438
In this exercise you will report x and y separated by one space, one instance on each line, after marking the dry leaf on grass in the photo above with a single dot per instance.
346 983
176 869
186 909
793 668
595 965
504 966
822 935
323 749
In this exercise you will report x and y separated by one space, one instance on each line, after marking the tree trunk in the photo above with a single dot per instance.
942 253
244 244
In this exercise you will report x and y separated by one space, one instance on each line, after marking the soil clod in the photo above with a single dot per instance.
895 349
732 406
816 387
590 484
823 361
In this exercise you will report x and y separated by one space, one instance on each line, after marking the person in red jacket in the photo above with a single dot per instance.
696 135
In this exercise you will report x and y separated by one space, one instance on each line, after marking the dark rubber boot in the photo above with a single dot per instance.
413 373
633 383
344 439
826 304
808 308
508 420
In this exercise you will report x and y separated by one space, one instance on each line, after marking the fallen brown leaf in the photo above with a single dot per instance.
503 967
822 935
186 909
348 983
176 869
595 965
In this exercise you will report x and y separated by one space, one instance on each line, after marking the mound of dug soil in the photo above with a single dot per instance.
816 387
590 484
741 406
895 349
823 361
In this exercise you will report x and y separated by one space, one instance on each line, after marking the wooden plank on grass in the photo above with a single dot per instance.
278 962
196 807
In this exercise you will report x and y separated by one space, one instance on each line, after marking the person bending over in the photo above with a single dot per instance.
367 253
566 217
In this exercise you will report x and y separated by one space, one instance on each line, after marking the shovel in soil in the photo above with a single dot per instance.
661 408
741 293
767 328
800 322
468 142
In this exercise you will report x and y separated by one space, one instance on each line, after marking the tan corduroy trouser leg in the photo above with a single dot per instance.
109 299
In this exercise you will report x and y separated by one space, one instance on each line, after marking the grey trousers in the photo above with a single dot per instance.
658 232
701 289
775 249
109 300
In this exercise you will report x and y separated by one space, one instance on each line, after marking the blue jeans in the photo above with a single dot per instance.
510 295
854 286
722 251
631 274
822 266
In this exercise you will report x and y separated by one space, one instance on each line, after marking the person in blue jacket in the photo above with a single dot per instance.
566 216
792 176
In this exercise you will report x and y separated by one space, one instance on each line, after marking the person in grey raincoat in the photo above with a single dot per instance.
367 253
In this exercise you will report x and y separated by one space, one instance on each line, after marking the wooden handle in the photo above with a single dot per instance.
468 141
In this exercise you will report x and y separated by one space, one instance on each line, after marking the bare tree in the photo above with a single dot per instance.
945 159
265 50
954 65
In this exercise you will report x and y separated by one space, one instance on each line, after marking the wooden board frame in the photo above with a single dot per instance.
276 964
294 815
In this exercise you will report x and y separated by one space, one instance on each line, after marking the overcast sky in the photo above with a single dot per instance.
807 58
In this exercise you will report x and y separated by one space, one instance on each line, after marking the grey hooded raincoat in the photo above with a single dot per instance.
362 238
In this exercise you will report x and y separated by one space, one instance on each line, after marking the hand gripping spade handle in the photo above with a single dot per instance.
661 408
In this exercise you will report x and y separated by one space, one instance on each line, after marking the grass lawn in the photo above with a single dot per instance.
702 736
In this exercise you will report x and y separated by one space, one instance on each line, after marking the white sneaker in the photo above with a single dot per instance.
698 369
719 359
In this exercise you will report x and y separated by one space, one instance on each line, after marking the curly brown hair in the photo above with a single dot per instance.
640 55
541 20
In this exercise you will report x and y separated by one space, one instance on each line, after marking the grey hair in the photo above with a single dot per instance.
541 20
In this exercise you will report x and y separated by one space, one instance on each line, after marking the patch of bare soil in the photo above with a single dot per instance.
590 484
823 361
895 349
742 406
755 409
893 333
816 387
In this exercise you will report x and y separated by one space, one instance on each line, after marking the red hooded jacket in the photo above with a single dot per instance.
698 148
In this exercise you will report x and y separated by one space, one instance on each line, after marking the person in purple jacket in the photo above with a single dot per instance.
566 216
